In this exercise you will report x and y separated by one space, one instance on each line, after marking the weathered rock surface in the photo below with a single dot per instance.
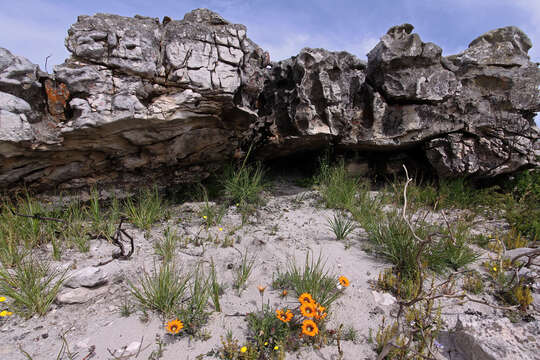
74 296
87 277
142 100
494 339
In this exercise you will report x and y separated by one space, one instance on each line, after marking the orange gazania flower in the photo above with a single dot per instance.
343 281
174 326
309 328
284 316
320 313
308 310
306 298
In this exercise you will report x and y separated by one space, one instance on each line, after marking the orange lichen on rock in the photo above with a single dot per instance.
57 96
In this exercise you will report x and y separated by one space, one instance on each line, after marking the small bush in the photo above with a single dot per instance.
394 240
473 283
523 209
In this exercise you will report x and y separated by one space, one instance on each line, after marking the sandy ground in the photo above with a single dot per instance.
290 224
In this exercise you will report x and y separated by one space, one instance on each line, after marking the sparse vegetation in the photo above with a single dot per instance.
146 208
166 246
337 188
342 226
162 290
313 278
32 285
243 271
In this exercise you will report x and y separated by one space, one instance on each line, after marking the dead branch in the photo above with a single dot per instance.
38 217
531 256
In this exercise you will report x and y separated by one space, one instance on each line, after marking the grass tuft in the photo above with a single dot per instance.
312 278
244 271
162 290
33 286
146 209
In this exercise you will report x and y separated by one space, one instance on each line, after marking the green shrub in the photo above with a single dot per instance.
523 209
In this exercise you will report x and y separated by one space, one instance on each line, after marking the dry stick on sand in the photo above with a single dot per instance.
117 240
433 294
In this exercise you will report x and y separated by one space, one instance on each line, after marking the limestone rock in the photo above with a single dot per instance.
493 340
128 350
309 99
383 298
87 277
75 296
402 67
143 101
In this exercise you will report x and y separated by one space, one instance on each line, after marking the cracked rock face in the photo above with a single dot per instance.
471 113
143 101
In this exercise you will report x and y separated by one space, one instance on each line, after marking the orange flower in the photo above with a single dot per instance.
306 298
320 314
261 289
309 328
308 310
174 326
284 293
344 281
284 316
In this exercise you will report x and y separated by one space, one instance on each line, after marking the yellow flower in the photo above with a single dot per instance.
276 347
309 328
2 298
204 217
174 326
220 229
343 281
243 349
265 343
3 313
494 268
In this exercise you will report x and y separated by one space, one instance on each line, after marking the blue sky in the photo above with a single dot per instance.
36 29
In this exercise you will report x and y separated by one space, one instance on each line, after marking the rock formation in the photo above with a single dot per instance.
142 100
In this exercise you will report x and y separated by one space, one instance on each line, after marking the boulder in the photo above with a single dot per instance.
147 101
492 339
87 277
